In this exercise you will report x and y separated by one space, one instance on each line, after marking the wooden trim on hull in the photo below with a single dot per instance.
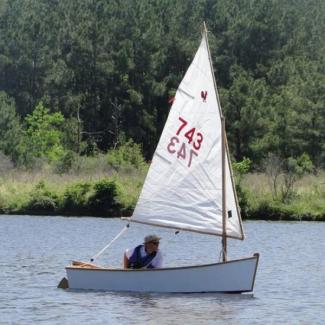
84 266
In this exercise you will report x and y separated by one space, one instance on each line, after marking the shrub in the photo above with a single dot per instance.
75 198
104 201
295 170
127 156
5 163
42 137
42 200
240 169
90 165
65 162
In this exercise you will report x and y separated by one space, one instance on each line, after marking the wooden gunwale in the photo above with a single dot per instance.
256 256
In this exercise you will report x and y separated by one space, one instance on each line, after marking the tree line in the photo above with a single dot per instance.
86 76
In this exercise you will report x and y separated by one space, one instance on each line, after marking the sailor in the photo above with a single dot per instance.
146 255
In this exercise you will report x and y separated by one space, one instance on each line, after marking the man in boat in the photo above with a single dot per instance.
146 255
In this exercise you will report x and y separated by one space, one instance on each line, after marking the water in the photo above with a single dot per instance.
289 288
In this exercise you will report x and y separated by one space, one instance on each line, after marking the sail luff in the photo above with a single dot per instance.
235 193
224 206
225 138
223 159
212 70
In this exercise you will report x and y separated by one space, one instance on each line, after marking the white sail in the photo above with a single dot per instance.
183 188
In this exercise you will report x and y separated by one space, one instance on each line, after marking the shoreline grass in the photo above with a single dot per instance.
306 203
75 194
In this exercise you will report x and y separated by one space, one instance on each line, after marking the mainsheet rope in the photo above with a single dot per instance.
111 242
221 254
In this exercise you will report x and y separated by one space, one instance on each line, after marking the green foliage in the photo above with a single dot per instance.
42 200
71 135
10 128
126 157
307 203
43 135
109 69
66 162
245 103
90 165
300 166
24 193
285 172
75 198
295 169
240 169
273 167
104 200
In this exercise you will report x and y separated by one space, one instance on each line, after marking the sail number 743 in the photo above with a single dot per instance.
183 150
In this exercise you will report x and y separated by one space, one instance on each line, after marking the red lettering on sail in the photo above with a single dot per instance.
192 152
189 135
188 149
182 152
184 123
172 144
197 143
204 95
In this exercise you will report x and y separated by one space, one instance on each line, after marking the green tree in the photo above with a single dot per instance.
241 168
126 156
295 122
294 169
10 127
112 68
245 106
43 135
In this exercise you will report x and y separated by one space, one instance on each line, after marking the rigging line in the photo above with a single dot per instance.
222 252
110 243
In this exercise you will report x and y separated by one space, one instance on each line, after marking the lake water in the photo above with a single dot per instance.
289 287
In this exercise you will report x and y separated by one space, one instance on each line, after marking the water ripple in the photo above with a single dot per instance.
290 284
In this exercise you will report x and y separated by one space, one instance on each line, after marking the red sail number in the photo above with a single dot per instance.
196 138
172 144
184 123
180 148
181 151
197 143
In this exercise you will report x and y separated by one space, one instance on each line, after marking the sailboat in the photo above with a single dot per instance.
189 187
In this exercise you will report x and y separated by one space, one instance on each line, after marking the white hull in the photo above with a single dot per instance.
232 277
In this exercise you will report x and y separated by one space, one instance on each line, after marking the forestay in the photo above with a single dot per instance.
183 188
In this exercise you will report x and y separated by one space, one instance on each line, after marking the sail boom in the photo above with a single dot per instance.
181 228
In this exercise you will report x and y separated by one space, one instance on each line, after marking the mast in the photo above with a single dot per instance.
223 156
224 217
